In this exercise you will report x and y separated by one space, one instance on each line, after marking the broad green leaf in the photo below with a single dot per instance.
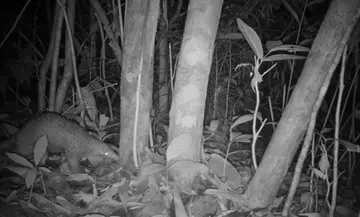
30 177
40 149
259 115
244 138
242 119
19 159
21 171
251 37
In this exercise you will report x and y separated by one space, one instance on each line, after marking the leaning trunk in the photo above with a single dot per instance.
289 133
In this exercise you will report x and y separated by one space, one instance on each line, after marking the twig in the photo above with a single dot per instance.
102 71
114 44
16 21
336 142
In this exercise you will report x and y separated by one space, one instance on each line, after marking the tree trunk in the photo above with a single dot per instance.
140 27
188 103
55 58
68 69
47 62
287 137
163 98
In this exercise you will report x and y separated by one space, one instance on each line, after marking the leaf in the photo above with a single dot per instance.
290 48
3 116
278 57
30 177
90 103
291 10
19 159
101 135
166 128
159 138
351 147
271 44
21 171
216 162
319 174
242 119
259 115
233 135
103 120
178 203
80 177
96 87
9 128
84 197
214 125
151 169
306 198
310 214
251 37
324 164
245 138
325 130
40 149
277 202
44 169
25 100
306 41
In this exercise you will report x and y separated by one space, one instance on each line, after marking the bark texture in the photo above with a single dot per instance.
192 75
140 27
287 137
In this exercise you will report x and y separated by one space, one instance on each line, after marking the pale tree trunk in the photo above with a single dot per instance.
192 75
289 133
140 27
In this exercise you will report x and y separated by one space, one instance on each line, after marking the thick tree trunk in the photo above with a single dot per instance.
286 139
140 27
188 104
